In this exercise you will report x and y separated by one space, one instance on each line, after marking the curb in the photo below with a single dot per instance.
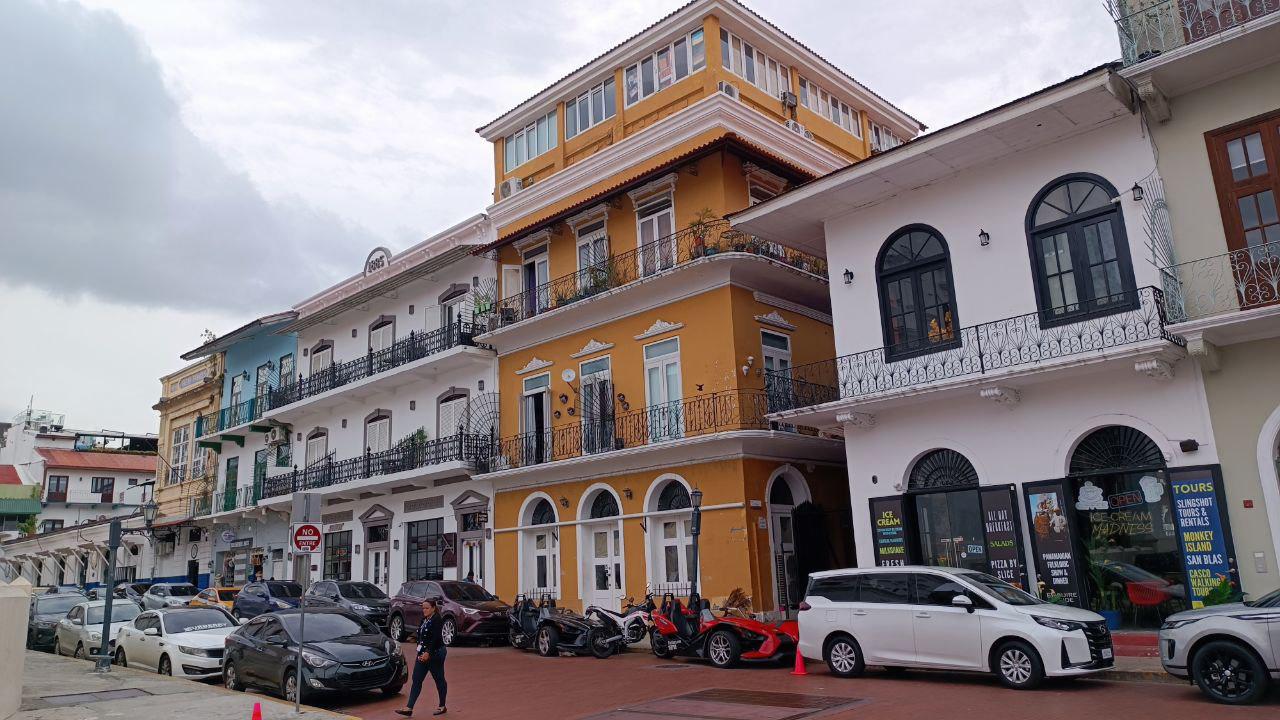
1138 676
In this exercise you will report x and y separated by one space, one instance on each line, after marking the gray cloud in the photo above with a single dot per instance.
105 191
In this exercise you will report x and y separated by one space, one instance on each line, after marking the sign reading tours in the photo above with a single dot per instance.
1000 523
888 535
1205 546
1051 536
305 538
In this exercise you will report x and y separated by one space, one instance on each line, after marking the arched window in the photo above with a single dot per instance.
1115 448
1079 250
780 493
671 549
543 513
917 306
943 468
674 496
605 505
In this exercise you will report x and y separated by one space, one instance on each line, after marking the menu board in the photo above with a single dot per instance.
1205 546
1000 523
888 535
1053 544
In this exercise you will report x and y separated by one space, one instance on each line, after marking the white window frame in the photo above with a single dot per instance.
607 376
753 65
379 428
455 407
813 97
682 45
767 351
659 263
544 390
540 256
321 359
385 333
677 426
542 131
179 452
573 108
590 236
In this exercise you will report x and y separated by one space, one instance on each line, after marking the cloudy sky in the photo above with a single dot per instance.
167 167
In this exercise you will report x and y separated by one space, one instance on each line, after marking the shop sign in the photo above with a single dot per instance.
1003 535
228 536
889 537
1053 544
1206 553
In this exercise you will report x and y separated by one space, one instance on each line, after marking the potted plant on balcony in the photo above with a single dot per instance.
699 228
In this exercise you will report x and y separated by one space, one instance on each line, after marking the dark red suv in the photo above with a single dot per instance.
470 612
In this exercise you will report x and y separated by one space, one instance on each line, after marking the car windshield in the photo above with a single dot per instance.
1271 599
57 605
120 612
465 591
325 626
227 594
289 590
195 620
1002 590
361 591
139 588
183 590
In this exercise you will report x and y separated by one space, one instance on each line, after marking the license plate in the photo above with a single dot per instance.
1106 653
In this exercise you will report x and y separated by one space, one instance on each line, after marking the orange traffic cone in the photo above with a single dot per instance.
799 669
257 711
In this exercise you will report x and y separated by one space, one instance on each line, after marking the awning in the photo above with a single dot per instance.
19 506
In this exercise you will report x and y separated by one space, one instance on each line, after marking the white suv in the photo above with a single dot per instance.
1230 651
946 619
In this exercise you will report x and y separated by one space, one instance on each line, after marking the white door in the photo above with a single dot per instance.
535 425
536 275
544 575
675 548
146 651
605 571
382 337
376 568
946 635
597 406
321 359
663 390
884 616
657 242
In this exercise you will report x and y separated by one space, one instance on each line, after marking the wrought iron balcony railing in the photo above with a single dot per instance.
700 415
241 413
692 243
1148 28
413 347
234 498
409 454
1227 283
201 505
977 350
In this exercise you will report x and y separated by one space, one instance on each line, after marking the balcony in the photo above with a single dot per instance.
994 350
201 505
1150 28
702 415
1225 299
231 417
408 455
414 347
699 243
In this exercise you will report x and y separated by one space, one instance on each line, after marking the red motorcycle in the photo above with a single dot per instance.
723 639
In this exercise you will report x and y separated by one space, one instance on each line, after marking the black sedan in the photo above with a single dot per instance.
341 652
43 616
360 598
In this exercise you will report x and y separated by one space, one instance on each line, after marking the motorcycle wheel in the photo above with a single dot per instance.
517 640
548 641
600 645
658 643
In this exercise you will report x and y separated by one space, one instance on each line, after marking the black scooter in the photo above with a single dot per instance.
551 630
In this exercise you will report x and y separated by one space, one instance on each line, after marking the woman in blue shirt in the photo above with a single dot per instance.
430 659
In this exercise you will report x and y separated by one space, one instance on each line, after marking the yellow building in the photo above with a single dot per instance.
633 328
185 472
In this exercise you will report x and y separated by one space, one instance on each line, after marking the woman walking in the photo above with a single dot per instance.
430 659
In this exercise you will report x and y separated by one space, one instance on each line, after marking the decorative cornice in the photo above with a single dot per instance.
1004 396
532 240
664 184
592 347
534 364
775 319
1204 351
1155 368
659 327
588 216
856 420
797 308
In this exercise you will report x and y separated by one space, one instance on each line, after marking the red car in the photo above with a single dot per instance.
722 639
470 612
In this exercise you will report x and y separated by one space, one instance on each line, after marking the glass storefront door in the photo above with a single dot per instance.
950 529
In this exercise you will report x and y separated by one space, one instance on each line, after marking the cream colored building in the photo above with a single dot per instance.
184 471
1210 91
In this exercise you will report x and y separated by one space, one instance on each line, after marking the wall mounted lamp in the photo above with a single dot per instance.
1136 191
848 276
984 237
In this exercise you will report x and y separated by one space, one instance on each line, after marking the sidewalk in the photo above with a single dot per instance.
59 688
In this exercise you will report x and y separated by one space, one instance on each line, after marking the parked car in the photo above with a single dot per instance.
58 590
163 595
79 633
361 598
43 616
340 652
260 597
187 641
132 591
947 619
1230 651
222 597
470 612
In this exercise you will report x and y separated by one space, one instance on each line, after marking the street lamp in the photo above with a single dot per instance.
114 534
695 529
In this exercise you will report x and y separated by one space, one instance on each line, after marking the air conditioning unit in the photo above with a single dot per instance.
510 187
278 435
729 89
788 98
795 127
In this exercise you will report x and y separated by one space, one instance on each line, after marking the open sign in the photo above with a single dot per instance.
306 538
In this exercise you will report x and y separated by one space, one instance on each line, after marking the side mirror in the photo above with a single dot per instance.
963 601
151 632
243 621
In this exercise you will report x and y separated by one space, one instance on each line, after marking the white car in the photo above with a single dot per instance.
1230 651
946 619
163 595
79 634
186 642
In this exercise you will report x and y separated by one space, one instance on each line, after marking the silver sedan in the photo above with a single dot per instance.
79 633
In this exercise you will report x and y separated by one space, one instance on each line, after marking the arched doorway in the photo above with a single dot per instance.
948 510
540 541
787 490
602 536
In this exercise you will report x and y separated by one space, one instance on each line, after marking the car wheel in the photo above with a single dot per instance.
231 678
659 645
166 666
1228 673
289 688
723 649
548 641
1018 665
448 631
79 651
395 628
57 645
843 657
121 659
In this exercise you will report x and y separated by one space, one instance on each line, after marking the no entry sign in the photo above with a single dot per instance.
306 538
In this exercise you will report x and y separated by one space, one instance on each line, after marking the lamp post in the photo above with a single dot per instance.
695 529
116 532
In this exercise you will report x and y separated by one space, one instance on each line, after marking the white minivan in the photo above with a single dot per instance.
946 619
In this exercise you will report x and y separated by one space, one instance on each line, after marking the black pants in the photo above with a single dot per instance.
435 666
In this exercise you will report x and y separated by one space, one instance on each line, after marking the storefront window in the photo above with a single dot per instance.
425 559
950 528
337 555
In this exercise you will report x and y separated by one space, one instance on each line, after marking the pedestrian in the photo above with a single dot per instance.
471 576
430 659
